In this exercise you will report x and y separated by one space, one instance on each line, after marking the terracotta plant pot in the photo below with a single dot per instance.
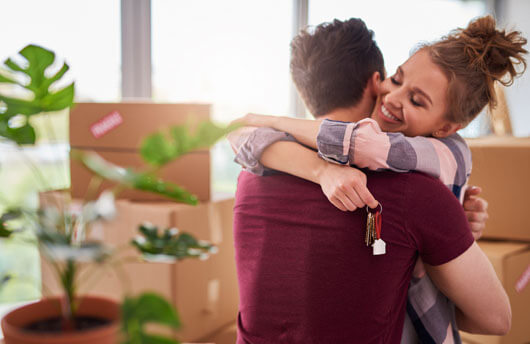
14 322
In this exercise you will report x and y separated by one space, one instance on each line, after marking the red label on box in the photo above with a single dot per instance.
106 124
523 280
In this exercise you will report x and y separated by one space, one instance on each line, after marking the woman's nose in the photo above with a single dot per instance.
394 99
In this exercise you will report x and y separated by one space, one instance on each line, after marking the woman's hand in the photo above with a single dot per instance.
345 187
476 209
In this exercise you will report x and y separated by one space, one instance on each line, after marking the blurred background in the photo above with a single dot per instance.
233 54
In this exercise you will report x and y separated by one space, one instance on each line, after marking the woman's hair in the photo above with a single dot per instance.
473 59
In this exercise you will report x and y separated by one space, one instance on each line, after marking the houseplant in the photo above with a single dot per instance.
61 233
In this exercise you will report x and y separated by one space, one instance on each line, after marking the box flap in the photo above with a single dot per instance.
124 125
499 141
502 249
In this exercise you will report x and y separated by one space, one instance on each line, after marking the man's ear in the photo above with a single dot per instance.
374 84
447 129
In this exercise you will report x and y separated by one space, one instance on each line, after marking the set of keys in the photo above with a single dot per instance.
373 232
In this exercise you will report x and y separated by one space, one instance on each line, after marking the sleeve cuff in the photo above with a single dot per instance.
333 141
252 149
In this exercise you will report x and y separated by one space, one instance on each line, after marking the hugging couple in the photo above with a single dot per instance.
383 145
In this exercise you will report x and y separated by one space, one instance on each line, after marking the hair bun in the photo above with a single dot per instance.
494 52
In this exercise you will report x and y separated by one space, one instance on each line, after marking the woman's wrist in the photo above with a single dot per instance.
318 171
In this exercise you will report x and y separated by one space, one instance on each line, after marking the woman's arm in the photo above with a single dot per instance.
259 149
303 130
364 145
345 187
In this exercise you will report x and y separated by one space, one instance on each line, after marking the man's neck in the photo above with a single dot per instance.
351 114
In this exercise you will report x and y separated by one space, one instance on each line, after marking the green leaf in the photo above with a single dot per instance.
14 66
22 135
59 100
131 179
147 308
4 232
48 82
148 182
17 106
37 60
159 148
103 168
5 79
8 215
154 308
154 339
170 245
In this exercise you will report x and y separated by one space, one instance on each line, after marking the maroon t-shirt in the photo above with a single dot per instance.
305 273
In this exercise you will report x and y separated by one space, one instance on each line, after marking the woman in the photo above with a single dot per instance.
462 69
440 89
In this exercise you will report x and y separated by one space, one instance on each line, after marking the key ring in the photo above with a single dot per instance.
379 204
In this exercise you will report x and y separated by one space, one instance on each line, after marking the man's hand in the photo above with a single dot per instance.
476 209
345 187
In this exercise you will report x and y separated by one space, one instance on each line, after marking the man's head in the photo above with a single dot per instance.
332 65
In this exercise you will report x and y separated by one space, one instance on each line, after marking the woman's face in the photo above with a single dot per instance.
413 100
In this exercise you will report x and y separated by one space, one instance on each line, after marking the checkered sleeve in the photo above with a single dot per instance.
364 145
250 144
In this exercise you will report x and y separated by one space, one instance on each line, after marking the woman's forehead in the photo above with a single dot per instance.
421 72
421 67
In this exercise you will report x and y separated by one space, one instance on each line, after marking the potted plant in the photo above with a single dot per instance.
61 233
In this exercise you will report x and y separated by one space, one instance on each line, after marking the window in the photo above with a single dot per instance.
87 36
233 54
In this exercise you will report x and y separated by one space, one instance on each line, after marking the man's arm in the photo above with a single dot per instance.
471 283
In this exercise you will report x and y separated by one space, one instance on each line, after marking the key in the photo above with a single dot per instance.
378 245
369 229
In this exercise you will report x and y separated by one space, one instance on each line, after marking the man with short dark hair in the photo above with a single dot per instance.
332 66
335 69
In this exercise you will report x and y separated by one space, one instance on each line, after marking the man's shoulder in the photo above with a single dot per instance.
279 188
414 179
274 179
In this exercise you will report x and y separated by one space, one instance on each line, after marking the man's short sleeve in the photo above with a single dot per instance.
436 221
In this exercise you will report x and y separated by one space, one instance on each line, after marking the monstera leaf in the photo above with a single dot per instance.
34 67
131 179
145 309
160 148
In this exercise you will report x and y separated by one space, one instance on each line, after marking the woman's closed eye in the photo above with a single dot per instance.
415 102
394 80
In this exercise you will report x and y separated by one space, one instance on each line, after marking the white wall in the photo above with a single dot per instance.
516 15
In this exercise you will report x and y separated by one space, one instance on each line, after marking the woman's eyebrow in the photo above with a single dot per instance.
415 89
419 91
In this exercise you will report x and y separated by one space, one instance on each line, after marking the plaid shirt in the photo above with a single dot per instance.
364 145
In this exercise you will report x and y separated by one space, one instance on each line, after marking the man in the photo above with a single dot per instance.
335 88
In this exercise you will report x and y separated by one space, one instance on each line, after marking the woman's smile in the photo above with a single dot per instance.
388 116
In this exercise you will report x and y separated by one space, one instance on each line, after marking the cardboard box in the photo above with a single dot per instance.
115 131
501 166
226 335
510 261
205 293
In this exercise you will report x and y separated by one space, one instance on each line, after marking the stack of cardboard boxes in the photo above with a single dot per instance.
501 166
204 292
